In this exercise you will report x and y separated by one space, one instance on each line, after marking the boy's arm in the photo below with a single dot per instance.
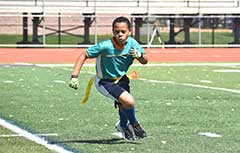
76 70
143 59
79 63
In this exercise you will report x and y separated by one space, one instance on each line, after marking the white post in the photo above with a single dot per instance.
199 24
43 31
148 25
95 19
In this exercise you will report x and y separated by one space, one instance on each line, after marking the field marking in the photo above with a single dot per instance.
32 137
172 64
152 65
210 134
191 85
228 71
59 81
208 87
205 81
19 135
140 65
135 64
8 81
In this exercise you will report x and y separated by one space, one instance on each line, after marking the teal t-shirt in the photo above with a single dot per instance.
110 61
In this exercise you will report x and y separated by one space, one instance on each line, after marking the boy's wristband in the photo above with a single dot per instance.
74 76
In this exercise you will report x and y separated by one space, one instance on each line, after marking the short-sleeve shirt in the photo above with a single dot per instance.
112 61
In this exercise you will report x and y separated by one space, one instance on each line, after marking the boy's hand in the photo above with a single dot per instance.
135 53
74 83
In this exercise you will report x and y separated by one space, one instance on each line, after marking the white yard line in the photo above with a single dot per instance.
190 85
208 87
210 134
161 64
148 65
135 64
19 135
228 71
189 64
32 137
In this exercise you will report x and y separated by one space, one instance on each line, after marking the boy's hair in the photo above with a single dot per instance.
122 19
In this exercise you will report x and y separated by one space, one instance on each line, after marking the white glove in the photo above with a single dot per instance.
135 53
74 83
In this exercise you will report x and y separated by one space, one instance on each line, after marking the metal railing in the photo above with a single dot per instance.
131 6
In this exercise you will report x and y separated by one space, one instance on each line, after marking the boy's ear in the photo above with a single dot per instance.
130 30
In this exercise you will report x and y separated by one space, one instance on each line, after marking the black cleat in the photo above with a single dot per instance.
138 130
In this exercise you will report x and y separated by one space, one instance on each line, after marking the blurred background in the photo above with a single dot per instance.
156 23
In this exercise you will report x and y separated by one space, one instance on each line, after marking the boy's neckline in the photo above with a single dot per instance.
118 46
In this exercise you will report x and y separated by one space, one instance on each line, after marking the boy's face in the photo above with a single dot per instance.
121 32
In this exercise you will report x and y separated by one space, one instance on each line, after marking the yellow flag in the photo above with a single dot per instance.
88 90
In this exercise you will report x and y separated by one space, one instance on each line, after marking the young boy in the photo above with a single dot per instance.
113 59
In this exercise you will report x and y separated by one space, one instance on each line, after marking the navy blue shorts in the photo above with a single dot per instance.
113 90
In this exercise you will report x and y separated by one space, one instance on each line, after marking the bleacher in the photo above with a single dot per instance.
123 6
140 11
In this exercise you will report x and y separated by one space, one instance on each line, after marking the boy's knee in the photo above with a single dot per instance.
127 100
129 104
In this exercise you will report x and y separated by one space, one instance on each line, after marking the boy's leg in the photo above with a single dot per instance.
123 125
120 92
129 110
113 91
128 106
130 114
123 120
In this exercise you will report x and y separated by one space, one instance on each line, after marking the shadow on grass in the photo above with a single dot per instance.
100 141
